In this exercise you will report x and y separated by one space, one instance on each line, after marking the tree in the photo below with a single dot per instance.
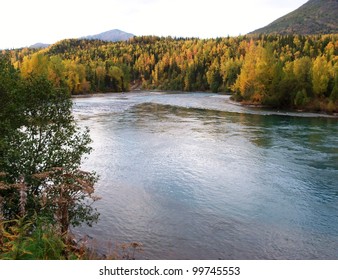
37 64
100 74
302 73
47 141
189 78
334 92
56 71
230 70
214 77
75 77
257 78
320 76
10 103
115 78
245 81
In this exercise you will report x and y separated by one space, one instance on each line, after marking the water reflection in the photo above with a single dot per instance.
192 176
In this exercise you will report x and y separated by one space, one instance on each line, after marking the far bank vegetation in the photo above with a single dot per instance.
281 71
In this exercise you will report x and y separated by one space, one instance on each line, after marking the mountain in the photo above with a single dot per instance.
314 17
111 36
39 46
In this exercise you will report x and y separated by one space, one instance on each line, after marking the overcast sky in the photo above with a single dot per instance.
26 22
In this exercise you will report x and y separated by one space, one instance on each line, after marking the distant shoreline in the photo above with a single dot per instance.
286 112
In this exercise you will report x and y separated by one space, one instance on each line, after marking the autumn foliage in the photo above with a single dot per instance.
289 71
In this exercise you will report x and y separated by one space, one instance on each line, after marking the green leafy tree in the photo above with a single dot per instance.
115 78
230 70
214 77
45 138
10 103
302 73
100 74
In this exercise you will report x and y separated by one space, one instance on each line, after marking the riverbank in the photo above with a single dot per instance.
227 96
285 110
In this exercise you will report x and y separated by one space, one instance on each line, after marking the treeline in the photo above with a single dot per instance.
290 71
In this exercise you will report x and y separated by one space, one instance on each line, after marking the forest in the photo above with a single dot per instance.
43 192
293 72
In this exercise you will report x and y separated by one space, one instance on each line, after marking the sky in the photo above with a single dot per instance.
24 23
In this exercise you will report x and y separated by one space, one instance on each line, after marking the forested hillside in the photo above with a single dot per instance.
284 71
314 17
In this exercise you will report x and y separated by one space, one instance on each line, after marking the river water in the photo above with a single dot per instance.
194 176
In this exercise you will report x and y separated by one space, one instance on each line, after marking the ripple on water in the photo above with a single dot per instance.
194 176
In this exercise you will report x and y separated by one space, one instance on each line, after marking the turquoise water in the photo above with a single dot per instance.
194 176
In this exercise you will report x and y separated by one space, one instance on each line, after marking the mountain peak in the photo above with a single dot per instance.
314 17
39 46
113 35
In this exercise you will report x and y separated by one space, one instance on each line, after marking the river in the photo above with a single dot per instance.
195 176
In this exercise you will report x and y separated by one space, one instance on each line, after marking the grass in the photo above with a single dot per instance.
24 239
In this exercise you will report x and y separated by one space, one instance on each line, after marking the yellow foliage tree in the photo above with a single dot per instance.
320 76
36 65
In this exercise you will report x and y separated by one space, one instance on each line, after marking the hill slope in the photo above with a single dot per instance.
314 17
111 36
